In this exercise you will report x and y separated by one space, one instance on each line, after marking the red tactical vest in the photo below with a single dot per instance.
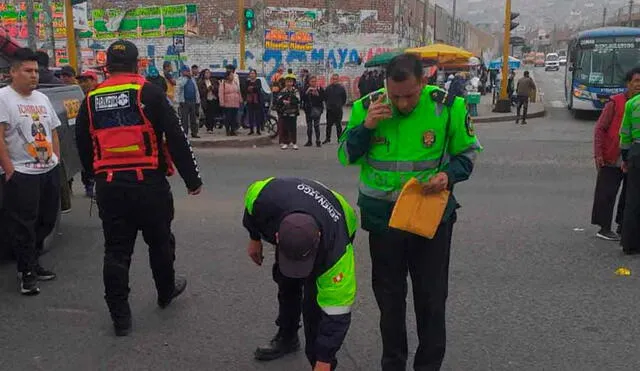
123 137
611 151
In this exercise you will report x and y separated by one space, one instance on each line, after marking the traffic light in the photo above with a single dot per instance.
514 25
249 19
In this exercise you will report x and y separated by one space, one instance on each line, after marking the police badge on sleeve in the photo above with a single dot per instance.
469 125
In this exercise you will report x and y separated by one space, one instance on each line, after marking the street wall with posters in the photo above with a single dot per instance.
339 39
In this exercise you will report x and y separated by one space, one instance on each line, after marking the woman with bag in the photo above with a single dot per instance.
313 108
230 100
210 104
255 110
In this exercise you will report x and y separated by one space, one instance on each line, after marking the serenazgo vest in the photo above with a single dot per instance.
611 150
123 137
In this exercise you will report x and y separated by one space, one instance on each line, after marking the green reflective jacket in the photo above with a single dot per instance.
268 201
408 146
630 129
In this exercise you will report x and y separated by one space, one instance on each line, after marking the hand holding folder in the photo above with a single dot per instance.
418 212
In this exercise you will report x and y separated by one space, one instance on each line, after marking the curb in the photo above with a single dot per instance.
487 119
233 143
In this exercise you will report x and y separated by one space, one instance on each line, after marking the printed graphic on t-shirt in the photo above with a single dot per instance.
34 134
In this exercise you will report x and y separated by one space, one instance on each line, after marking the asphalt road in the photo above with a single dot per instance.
530 286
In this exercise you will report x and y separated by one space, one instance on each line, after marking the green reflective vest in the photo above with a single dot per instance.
630 129
409 146
268 201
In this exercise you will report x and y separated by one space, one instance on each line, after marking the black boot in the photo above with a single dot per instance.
180 286
318 144
122 327
280 345
309 143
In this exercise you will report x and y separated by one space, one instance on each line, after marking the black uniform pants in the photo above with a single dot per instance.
604 200
334 117
124 210
31 204
298 296
631 220
289 301
395 254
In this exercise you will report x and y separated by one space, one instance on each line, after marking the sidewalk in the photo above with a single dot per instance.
219 139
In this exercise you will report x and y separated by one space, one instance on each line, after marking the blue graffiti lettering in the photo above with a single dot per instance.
354 56
276 56
296 56
317 55
343 56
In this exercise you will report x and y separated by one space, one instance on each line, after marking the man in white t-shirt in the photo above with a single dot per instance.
29 156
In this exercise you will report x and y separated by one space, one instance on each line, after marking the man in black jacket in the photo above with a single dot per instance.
336 98
46 76
120 136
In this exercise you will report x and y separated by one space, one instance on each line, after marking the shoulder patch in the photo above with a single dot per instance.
442 97
471 131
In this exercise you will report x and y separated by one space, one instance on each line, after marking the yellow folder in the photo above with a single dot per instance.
418 213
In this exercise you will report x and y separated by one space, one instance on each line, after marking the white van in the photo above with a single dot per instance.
552 62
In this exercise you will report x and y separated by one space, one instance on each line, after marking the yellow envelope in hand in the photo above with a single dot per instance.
418 213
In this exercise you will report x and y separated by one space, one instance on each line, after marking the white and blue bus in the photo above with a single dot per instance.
597 63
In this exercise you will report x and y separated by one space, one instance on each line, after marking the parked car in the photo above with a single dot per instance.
552 62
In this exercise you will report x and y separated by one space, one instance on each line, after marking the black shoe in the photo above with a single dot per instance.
308 144
122 327
524 122
195 136
318 144
326 141
29 284
43 274
517 121
607 235
279 346
250 133
619 230
180 286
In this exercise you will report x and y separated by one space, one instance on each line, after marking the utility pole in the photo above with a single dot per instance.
453 24
242 33
31 26
72 50
425 21
504 103
435 22
630 12
50 35
604 16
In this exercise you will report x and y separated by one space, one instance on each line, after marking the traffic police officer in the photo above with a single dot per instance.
313 230
393 142
120 132
630 149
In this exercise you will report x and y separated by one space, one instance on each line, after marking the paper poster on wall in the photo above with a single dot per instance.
149 21
14 19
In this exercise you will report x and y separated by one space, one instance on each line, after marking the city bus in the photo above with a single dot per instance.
598 60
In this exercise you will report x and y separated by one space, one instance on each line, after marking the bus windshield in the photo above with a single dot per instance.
605 66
